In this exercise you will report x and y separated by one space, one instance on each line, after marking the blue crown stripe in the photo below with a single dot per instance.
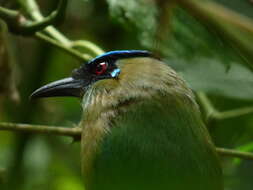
120 54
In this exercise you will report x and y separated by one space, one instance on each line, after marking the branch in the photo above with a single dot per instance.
234 153
233 113
54 18
18 24
7 14
58 39
41 129
213 114
32 9
207 105
76 133
70 51
88 46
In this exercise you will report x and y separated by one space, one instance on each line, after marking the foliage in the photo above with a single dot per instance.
208 42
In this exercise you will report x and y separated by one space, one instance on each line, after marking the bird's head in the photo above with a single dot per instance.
128 73
105 66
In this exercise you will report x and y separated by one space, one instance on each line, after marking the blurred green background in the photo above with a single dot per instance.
214 54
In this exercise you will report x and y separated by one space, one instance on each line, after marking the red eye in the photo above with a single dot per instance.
101 68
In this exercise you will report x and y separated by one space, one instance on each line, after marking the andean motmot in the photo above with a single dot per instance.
142 128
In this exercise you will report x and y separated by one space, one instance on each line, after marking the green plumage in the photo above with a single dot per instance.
143 131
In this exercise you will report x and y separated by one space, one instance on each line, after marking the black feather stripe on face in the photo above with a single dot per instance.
87 70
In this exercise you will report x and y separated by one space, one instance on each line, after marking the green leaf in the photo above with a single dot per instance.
234 29
186 38
138 13
211 77
199 51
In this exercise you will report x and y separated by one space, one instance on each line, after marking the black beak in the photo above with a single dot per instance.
65 87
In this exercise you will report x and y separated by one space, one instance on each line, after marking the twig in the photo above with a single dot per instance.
53 18
32 9
15 23
213 114
207 105
233 113
59 40
88 46
234 153
71 51
18 24
41 129
7 14
76 133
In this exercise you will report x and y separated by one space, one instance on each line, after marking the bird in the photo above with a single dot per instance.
141 125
